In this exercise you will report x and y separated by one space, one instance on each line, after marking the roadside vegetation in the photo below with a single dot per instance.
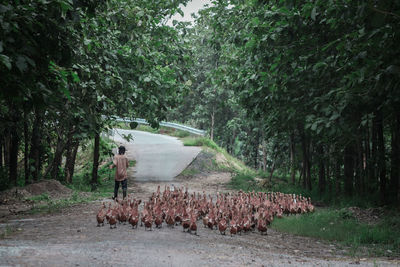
333 219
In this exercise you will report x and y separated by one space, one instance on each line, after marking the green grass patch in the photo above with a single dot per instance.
41 197
189 172
201 141
340 225
244 181
52 206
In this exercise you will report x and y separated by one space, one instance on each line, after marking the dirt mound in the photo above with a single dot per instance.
52 188
202 164
18 199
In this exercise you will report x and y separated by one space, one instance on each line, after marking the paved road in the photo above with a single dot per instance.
158 157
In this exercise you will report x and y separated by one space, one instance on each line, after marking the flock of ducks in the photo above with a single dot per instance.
239 212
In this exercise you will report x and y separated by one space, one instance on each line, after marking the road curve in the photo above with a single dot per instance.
158 157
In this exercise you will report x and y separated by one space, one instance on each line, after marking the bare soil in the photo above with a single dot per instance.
70 238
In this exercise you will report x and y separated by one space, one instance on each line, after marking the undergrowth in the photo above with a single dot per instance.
339 225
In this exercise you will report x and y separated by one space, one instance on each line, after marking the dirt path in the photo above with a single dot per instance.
71 238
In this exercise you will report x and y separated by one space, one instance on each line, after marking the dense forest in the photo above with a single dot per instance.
312 87
68 67
308 88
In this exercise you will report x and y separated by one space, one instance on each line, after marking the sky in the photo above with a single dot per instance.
192 7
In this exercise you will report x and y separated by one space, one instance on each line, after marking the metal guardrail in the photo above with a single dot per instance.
167 124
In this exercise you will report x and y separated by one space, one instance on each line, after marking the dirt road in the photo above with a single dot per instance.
71 238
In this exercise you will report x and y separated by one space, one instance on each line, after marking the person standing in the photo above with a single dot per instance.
121 163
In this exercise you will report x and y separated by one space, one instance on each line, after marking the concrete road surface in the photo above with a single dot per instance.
158 157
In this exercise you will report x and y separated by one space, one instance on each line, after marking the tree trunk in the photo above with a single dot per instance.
7 146
96 155
272 172
367 159
34 155
395 160
308 181
68 156
54 168
256 145
26 150
381 159
338 177
13 174
373 166
321 170
306 160
264 151
212 124
70 161
348 169
1 152
328 172
359 173
292 159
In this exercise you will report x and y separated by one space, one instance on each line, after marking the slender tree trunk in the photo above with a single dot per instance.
292 159
26 151
328 171
381 159
264 151
306 160
212 124
70 161
34 155
395 160
96 155
1 151
7 146
305 156
367 159
373 183
338 177
272 172
358 167
349 169
13 174
321 170
68 155
256 145
54 167
308 149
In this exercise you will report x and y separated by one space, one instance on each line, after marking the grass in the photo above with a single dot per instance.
7 231
189 172
335 223
41 197
201 141
52 206
339 225
244 181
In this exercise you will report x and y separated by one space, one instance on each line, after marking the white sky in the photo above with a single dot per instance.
192 7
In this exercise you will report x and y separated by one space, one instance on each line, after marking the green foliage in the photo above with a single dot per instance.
340 225
41 197
65 90
244 181
201 141
316 76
